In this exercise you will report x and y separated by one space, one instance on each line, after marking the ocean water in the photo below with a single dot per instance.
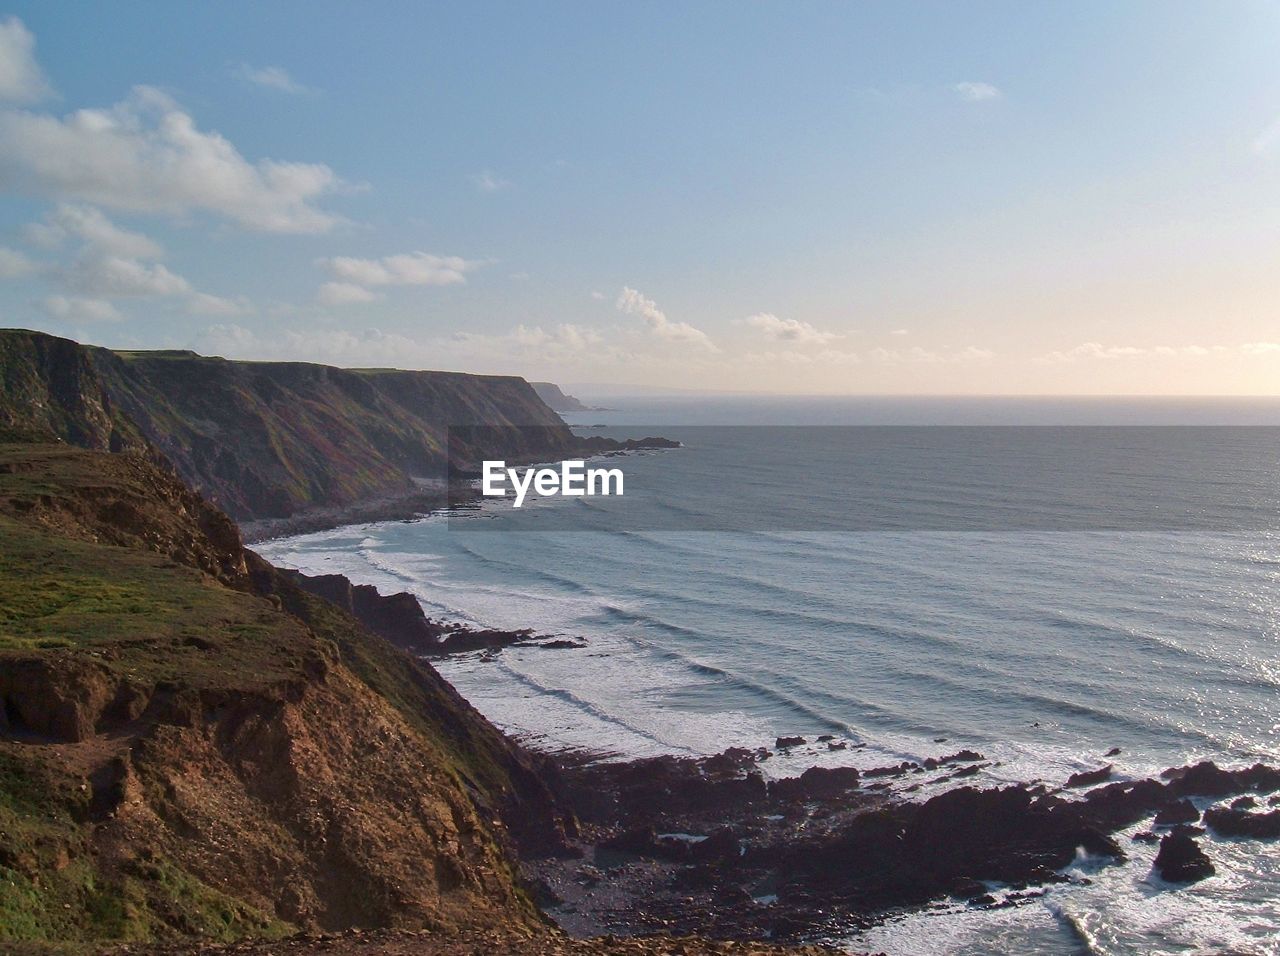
1042 644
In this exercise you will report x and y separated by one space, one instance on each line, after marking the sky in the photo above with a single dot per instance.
816 198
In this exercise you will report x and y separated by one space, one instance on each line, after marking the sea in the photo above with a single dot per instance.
1040 580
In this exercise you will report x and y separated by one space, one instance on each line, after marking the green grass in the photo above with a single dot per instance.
162 621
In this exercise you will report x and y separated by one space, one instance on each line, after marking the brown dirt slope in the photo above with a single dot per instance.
184 754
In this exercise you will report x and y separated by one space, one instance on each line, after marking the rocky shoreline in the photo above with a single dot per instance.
392 508
710 846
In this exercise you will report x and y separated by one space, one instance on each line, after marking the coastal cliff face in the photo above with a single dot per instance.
190 745
49 388
557 400
271 439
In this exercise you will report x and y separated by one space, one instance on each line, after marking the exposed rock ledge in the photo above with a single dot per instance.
399 618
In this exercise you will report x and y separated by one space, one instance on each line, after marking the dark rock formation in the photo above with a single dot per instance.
833 849
1229 821
1181 811
399 618
598 444
1087 778
1181 860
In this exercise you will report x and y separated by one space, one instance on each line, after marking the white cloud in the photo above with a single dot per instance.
21 79
410 268
146 155
899 332
231 340
488 182
788 330
91 226
270 77
14 264
202 303
110 265
575 338
528 346
1260 348
976 92
564 337
632 302
598 296
118 277
80 309
344 293
1096 351
922 356
832 357
1092 350
519 277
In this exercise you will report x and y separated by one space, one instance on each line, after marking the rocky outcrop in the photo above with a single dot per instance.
399 617
1088 778
1239 822
122 500
833 849
1180 859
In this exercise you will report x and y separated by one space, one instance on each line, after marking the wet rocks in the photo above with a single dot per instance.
720 845
836 845
784 743
960 756
897 771
1088 778
1229 821
1181 811
1181 860
817 783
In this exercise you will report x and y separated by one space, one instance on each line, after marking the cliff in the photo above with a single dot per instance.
272 439
191 745
557 400
49 388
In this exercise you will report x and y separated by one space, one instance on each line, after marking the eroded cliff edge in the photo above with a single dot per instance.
191 745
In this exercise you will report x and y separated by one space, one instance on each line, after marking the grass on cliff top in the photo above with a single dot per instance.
29 471
139 613
135 610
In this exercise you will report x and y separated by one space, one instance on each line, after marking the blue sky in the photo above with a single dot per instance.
800 197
